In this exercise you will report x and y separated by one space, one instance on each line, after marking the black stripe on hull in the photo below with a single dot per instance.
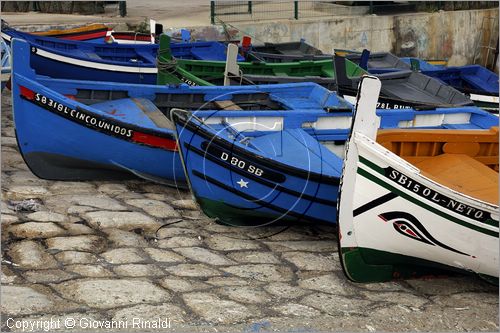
300 217
374 203
258 179
263 161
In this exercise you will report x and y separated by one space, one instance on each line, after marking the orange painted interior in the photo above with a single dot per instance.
70 31
464 160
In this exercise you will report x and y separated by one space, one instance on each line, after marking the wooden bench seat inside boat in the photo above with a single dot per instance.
463 174
419 145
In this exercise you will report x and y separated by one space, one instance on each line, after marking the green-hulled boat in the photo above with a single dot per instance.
199 72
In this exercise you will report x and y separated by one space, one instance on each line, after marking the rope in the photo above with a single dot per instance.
167 66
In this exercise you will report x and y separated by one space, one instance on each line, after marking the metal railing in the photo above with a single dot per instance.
241 11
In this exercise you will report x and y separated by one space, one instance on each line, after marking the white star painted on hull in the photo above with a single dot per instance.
242 183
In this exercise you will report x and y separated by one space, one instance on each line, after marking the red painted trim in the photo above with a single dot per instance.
86 36
154 141
131 36
29 94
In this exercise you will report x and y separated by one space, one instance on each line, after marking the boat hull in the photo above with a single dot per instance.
236 194
436 228
76 144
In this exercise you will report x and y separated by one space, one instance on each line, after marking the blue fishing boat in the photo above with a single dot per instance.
5 59
476 81
284 166
126 63
78 130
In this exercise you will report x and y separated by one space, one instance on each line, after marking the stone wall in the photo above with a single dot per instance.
452 35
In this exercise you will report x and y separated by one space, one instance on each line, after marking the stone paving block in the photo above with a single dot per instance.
78 229
185 204
225 243
154 207
250 295
285 290
336 304
192 270
441 286
179 241
182 285
80 209
65 187
297 310
138 270
123 256
263 272
20 192
88 243
31 255
111 293
204 256
121 220
161 255
311 261
18 300
152 313
213 309
112 189
222 281
48 276
75 257
90 270
310 246
123 238
45 216
36 230
332 283
169 232
252 257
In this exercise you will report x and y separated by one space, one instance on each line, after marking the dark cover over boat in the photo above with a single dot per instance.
285 52
404 89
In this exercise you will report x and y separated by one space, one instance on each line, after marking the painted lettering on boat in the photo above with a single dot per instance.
49 103
436 197
384 105
142 137
183 79
241 163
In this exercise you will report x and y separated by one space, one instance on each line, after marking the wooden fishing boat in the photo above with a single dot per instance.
285 52
175 71
92 33
403 89
127 63
417 202
477 82
79 130
282 166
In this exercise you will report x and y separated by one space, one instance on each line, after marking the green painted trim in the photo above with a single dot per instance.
238 217
374 179
362 264
197 71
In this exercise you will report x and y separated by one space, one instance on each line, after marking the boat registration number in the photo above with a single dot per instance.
242 163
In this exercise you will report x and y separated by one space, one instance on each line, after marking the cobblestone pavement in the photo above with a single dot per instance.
90 250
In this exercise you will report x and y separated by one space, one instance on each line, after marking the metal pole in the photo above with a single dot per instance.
212 12
249 7
371 7
296 9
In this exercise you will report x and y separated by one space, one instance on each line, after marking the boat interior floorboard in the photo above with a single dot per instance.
464 174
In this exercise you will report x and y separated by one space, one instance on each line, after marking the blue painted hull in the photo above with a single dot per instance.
237 195
133 63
